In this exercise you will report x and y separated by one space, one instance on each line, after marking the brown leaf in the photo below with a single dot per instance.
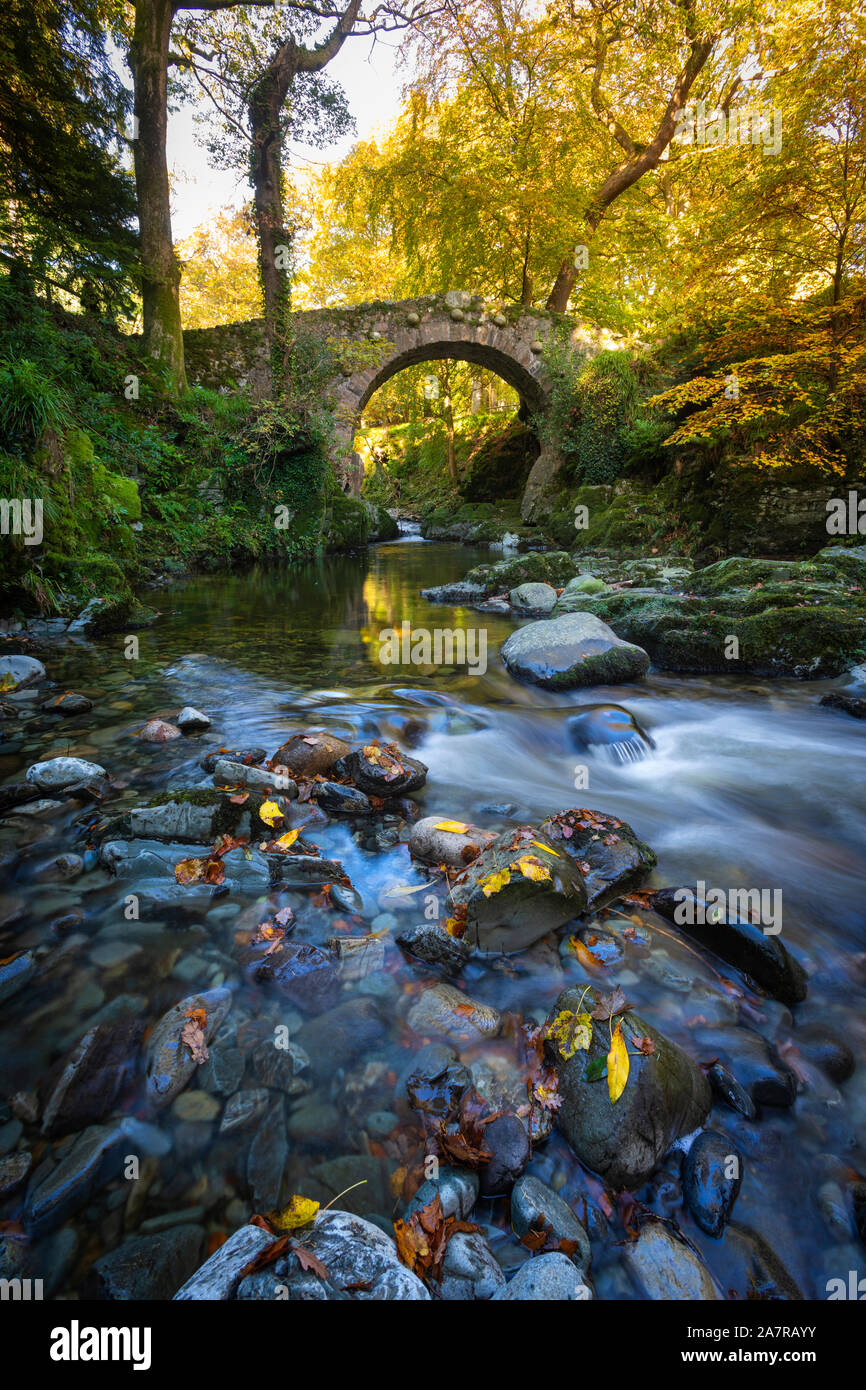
609 1004
267 1256
308 1261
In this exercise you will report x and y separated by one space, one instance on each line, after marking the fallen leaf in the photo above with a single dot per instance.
286 841
607 1005
454 827
617 1065
492 883
532 868
270 813
571 1032
299 1211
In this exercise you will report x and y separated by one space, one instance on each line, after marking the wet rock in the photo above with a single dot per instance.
666 1097
736 940
611 727
618 861
533 598
444 1009
58 773
709 1191
726 1086
357 957
191 720
304 870
244 1108
576 590
435 1081
524 908
752 1061
337 1037
508 1141
234 774
152 863
280 1064
302 973
551 1277
538 1208
217 1279
196 1107
456 1188
68 703
20 671
267 1158
346 898
93 1077
338 800
665 1267
247 756
223 1070
367 1175
847 704
149 1267
178 820
315 1123
383 770
14 1171
470 1269
15 974
310 755
93 1159
457 847
502 1085
158 731
431 943
361 1261
170 1063
64 869
576 649
758 1272
825 1049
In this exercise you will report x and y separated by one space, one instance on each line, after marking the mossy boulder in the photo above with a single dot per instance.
575 649
499 466
346 524
806 631
666 1097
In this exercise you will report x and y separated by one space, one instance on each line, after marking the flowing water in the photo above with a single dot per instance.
750 783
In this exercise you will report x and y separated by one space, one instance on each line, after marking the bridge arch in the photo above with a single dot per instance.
367 344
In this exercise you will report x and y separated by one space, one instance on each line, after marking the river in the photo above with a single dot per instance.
750 782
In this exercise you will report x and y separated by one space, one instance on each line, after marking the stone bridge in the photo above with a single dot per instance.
366 345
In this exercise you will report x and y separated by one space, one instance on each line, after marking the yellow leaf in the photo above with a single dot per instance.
299 1212
270 813
456 827
571 1032
492 882
533 868
286 841
617 1065
546 848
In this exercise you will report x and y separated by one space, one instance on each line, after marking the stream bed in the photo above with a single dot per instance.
750 783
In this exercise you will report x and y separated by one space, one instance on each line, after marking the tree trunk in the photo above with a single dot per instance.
274 238
640 160
160 272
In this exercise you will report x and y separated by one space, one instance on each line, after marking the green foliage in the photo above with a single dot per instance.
66 205
591 419
30 403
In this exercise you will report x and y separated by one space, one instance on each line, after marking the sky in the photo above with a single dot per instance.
368 74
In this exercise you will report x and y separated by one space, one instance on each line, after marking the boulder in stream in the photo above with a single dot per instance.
666 1096
575 649
517 890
